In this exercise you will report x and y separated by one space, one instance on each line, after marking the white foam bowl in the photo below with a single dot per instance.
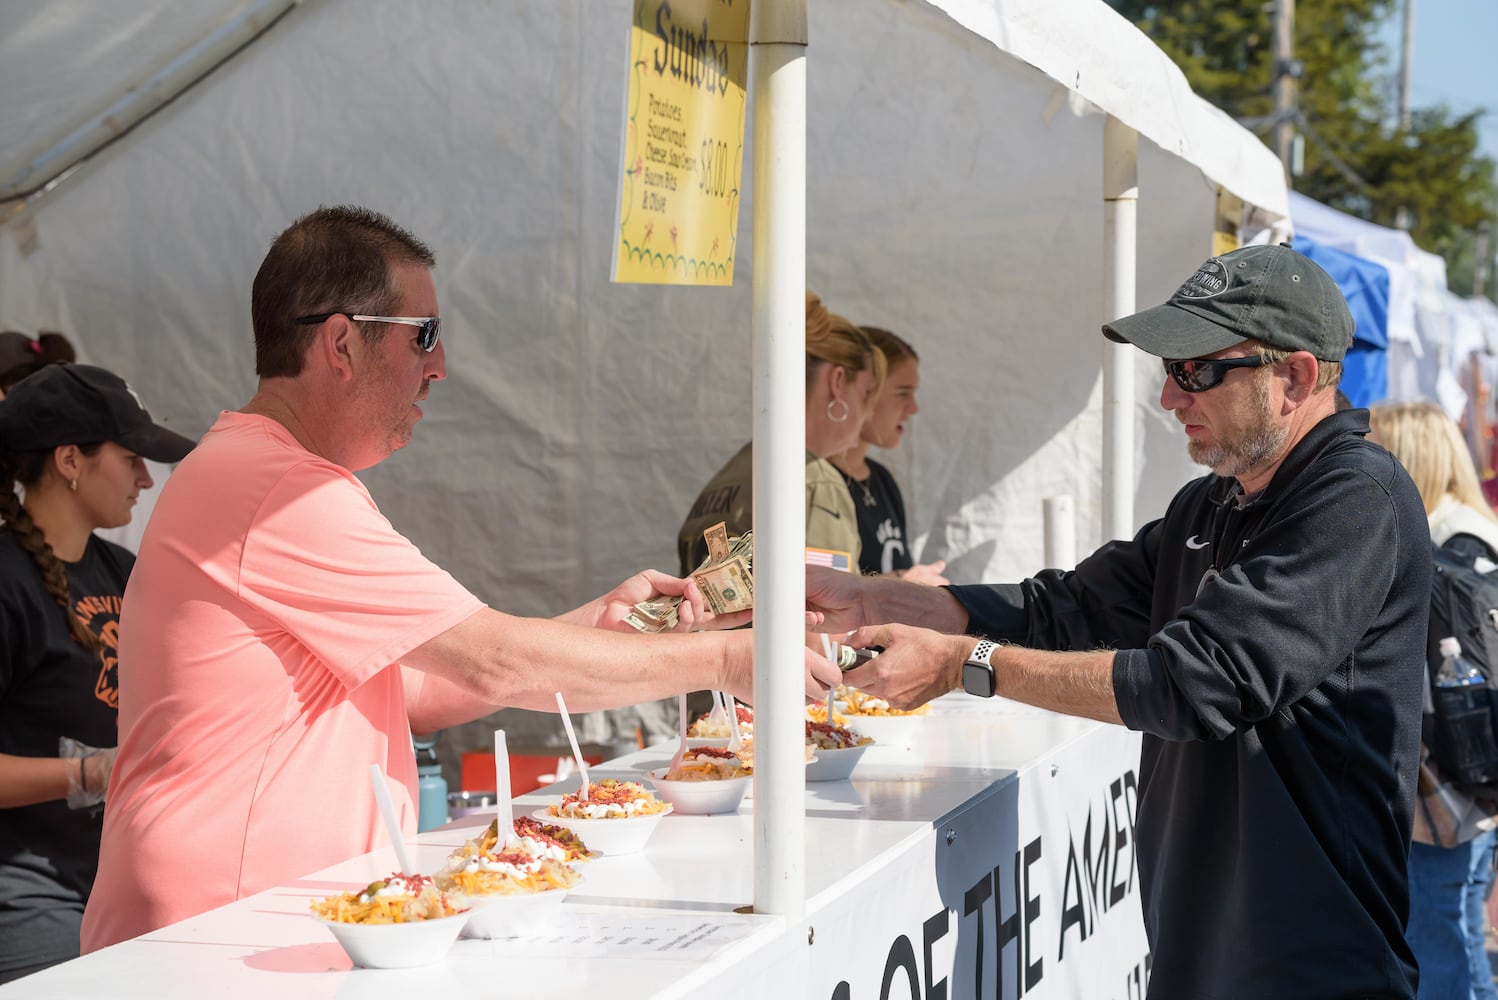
897 731
609 837
397 946
500 916
700 798
834 765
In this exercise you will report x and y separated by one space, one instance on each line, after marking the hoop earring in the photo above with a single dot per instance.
838 418
73 485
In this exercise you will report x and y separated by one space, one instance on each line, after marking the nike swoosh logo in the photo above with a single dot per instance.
834 514
1192 543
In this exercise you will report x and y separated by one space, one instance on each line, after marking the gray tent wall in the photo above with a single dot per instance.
954 195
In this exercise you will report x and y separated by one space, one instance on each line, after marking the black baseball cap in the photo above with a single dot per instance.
83 404
1269 293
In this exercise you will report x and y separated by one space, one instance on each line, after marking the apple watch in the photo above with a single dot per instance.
977 672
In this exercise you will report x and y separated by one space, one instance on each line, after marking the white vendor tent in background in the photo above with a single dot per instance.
1418 324
954 196
1433 333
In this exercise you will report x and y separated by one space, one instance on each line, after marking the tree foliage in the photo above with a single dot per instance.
1357 158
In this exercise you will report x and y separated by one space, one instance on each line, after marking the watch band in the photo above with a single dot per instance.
977 670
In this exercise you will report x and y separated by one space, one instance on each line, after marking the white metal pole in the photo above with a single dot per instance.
777 35
1120 209
1060 532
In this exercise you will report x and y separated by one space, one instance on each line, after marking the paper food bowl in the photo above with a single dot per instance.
397 946
700 798
693 742
834 765
500 916
609 837
887 730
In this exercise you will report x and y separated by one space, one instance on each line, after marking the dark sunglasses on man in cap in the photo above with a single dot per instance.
1201 374
430 327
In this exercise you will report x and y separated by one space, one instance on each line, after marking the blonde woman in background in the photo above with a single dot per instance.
1451 859
882 529
843 376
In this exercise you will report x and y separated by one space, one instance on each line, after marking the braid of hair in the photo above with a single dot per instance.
36 545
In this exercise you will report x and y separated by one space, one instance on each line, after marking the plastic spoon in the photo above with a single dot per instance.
716 715
681 728
830 649
736 742
577 754
392 825
504 811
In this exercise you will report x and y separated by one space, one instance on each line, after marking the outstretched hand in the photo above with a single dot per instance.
610 610
836 596
917 664
928 573
738 676
693 615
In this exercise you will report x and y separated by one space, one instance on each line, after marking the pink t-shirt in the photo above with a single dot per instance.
259 643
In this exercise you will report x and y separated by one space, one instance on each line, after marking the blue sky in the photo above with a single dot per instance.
1455 51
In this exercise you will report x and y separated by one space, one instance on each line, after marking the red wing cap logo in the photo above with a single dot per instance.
1208 280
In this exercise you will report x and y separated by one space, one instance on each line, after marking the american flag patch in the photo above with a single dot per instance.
830 558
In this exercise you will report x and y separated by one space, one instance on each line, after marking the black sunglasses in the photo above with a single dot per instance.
426 336
1201 374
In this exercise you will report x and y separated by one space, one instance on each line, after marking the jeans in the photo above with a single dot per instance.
1448 892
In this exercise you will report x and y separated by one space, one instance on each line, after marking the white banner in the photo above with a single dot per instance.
1028 890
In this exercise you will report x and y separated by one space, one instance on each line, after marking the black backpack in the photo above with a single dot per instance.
1464 604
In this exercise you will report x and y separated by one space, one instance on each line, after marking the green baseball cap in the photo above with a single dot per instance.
1269 293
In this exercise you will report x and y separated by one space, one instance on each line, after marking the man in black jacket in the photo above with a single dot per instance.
1266 635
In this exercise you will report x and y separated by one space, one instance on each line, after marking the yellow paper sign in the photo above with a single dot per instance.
683 142
1225 236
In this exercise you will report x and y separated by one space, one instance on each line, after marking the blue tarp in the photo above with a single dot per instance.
1365 371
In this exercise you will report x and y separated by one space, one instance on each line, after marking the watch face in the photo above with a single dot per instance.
977 679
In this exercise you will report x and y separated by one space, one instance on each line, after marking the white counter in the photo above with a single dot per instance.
996 842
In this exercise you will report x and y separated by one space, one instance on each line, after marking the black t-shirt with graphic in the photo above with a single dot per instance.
51 686
881 521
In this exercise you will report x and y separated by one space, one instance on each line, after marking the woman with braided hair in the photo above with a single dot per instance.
74 439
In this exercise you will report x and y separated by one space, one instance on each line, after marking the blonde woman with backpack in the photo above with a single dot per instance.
1451 859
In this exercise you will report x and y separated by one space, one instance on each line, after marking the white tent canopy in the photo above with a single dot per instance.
954 196
1418 326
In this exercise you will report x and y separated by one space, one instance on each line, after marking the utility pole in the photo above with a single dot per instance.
1286 72
1406 52
1482 259
1483 266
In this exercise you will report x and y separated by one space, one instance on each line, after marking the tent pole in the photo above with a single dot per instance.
778 36
143 98
1120 209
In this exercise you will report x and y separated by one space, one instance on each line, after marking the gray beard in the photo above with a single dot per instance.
1234 459
1257 446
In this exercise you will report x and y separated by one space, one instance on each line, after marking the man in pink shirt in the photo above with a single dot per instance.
279 635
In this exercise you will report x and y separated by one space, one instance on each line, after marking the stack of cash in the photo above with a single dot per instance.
725 578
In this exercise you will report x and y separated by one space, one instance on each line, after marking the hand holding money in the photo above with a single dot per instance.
725 578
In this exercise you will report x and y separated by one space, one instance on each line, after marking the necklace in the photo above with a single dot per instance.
868 494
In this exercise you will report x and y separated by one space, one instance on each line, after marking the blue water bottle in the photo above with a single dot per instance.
431 787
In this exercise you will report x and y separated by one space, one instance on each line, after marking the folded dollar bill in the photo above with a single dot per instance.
725 578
